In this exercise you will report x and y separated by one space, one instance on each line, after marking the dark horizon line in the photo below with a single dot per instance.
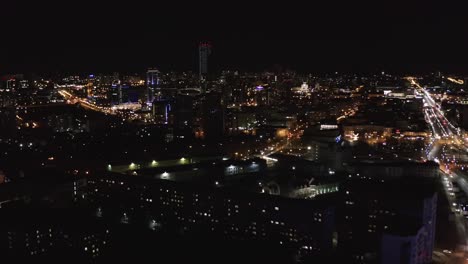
141 71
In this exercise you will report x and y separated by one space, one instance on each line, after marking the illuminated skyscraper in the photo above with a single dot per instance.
152 82
204 51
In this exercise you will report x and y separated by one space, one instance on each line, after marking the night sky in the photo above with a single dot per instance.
323 37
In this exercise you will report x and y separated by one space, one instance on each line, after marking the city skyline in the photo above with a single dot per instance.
279 159
225 132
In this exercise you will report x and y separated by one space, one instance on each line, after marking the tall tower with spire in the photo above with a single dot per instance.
204 51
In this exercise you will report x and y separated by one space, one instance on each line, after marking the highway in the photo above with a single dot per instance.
72 99
446 148
443 131
439 124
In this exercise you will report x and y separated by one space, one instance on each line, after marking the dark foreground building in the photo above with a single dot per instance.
387 222
179 209
303 225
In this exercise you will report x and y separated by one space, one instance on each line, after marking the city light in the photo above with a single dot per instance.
310 153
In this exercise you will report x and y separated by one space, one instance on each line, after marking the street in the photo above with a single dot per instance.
448 148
